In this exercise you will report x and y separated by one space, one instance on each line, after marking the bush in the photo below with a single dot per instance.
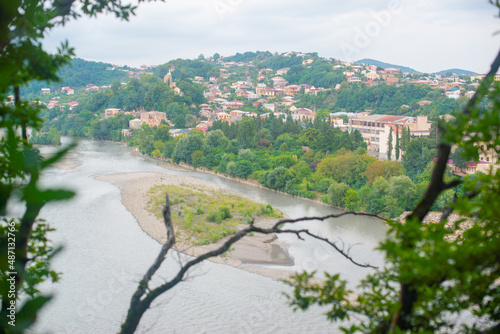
214 217
219 215
247 215
225 213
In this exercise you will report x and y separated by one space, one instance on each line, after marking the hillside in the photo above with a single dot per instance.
80 73
377 63
456 71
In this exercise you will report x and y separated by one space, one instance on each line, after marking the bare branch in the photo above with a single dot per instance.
452 184
449 210
143 297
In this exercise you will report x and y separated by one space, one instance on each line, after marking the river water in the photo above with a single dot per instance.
106 253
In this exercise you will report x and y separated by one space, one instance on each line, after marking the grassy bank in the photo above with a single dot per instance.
202 216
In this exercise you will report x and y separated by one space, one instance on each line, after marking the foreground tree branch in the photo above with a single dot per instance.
435 188
144 296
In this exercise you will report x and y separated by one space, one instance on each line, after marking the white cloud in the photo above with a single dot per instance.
426 35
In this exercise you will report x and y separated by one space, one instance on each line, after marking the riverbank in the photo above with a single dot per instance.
181 166
249 254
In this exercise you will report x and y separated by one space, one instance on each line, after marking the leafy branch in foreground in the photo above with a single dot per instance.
145 295
25 252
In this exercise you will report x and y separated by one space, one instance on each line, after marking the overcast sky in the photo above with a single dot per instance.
427 35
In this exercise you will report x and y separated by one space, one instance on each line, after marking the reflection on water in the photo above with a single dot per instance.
106 253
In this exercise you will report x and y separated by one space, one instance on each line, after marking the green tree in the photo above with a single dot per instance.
376 201
278 178
386 169
243 168
389 145
403 140
162 133
419 152
246 133
458 158
196 158
397 144
403 190
351 200
186 146
337 193
216 138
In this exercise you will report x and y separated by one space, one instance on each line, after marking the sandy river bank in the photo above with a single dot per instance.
253 253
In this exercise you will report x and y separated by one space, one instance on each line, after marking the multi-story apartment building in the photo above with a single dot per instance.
376 129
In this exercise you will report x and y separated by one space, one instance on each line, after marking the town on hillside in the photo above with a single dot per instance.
305 88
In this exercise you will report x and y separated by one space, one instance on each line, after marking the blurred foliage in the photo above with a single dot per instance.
25 248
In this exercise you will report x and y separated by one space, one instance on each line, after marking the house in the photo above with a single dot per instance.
391 80
488 159
232 104
279 82
222 116
127 133
303 114
452 94
52 104
269 106
178 132
238 113
282 71
470 94
392 70
110 112
205 106
292 90
372 76
353 79
206 114
268 91
259 101
287 101
45 91
153 118
134 124
424 102
72 104
348 73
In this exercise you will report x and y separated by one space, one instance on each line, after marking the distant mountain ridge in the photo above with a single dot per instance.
378 63
457 71
374 62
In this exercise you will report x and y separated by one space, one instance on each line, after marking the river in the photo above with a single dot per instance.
106 253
